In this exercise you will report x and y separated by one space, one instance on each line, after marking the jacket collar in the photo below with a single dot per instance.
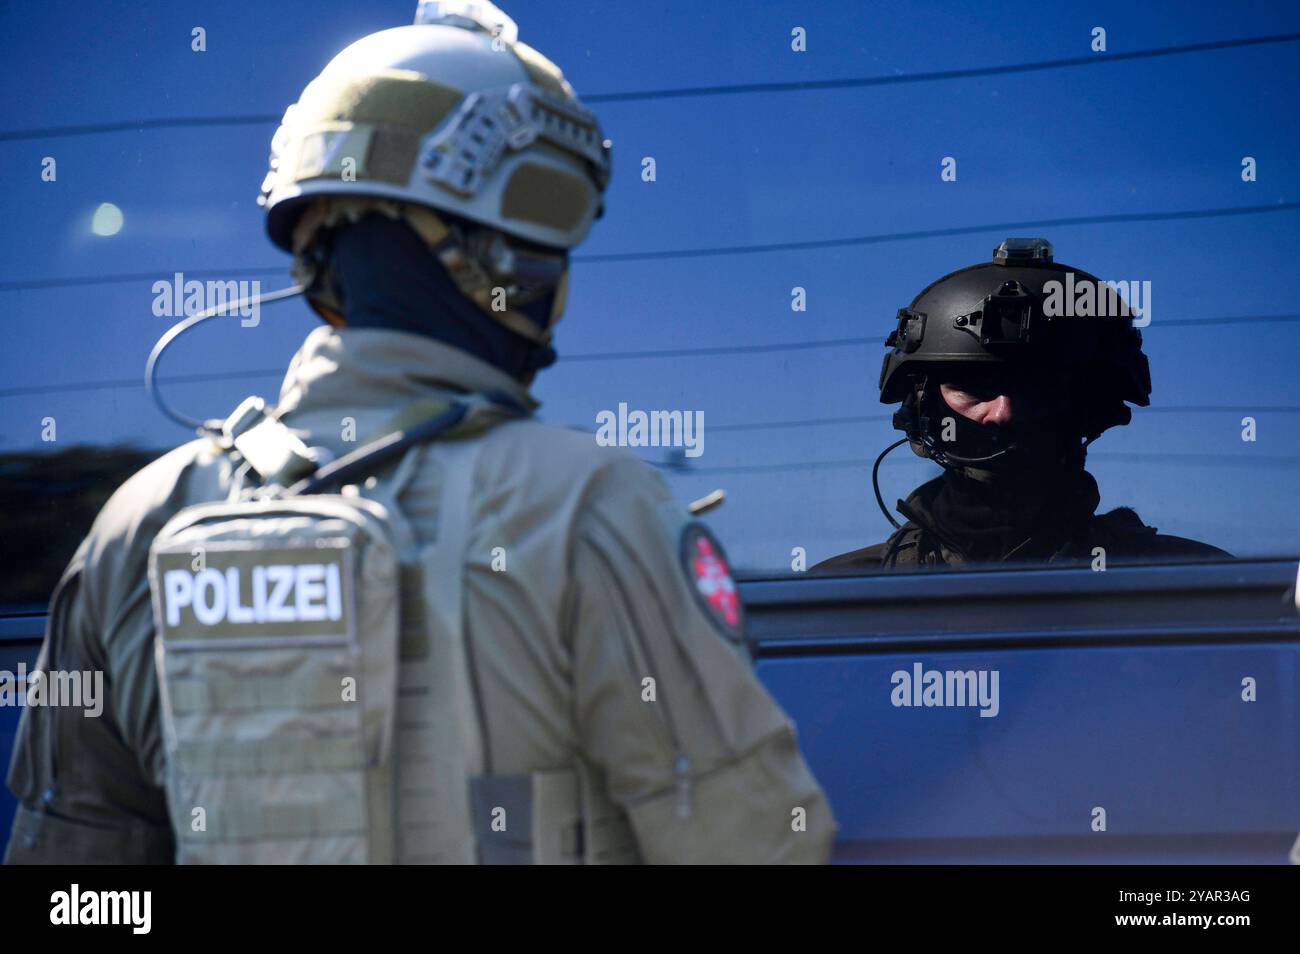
368 367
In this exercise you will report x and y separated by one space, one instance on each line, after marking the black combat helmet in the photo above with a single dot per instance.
1021 318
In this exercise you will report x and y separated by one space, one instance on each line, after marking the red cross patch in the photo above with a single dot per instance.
707 569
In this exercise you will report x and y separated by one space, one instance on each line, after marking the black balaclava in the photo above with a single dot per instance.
387 277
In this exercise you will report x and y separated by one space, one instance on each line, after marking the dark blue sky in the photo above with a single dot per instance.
1161 135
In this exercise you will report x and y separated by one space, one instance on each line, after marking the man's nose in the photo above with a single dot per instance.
995 411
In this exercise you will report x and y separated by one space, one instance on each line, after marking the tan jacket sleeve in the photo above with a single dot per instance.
85 798
691 745
90 785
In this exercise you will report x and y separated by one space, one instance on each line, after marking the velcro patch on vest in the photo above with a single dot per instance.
707 569
238 591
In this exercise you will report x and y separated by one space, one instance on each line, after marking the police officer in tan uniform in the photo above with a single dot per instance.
429 184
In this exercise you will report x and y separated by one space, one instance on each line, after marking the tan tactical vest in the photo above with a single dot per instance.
317 702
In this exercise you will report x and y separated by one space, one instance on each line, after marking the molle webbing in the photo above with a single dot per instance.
277 647
317 696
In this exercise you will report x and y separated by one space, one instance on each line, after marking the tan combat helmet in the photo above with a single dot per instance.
450 115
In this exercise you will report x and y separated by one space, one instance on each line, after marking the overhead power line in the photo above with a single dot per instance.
810 422
1093 59
1003 227
135 125
1220 320
717 350
708 351
877 418
126 278
690 92
712 251
138 382
1153 457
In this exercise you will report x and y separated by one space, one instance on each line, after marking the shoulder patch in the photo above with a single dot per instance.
710 578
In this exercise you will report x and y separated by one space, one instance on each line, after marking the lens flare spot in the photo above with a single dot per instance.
107 220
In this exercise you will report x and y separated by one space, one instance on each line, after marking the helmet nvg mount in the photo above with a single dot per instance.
1003 320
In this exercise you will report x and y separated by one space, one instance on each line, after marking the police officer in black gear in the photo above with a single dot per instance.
1006 372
